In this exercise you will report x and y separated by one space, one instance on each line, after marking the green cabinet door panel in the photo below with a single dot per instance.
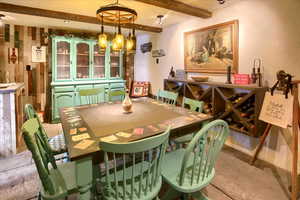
62 59
64 99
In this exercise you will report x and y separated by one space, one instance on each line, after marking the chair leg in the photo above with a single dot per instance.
39 196
199 196
171 194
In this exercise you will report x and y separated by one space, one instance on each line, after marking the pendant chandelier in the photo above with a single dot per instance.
118 15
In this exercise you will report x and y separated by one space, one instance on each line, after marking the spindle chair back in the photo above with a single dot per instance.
57 181
92 96
116 93
195 163
138 176
193 104
167 96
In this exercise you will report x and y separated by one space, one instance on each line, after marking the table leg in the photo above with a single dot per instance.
84 177
295 144
261 142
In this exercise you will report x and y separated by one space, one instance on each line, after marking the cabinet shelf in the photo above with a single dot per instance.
63 66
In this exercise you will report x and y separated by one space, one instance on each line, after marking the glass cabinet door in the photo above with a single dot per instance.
99 62
82 60
63 60
115 64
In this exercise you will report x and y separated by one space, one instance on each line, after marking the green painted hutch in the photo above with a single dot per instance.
79 64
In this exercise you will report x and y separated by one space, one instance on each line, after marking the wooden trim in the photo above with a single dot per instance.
69 16
235 45
179 7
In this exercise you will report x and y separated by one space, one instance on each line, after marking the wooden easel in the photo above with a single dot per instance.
295 125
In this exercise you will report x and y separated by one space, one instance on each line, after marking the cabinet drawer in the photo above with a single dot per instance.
117 85
64 89
106 86
83 87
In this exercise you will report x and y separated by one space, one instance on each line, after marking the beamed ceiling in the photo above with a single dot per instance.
146 13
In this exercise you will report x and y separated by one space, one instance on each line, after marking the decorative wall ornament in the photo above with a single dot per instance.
38 54
212 49
13 56
146 47
158 53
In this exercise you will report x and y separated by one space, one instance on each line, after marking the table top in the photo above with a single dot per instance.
84 126
10 87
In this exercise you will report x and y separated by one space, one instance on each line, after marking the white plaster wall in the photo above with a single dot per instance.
268 29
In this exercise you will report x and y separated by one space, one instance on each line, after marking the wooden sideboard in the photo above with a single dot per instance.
239 105
11 119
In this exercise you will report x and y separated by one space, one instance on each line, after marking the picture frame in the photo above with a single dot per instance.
212 49
38 54
140 89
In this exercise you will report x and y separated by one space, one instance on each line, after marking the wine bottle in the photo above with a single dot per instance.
247 113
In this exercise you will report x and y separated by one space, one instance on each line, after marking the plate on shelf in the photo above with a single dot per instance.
200 78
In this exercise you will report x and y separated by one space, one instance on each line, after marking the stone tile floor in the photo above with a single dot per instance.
235 179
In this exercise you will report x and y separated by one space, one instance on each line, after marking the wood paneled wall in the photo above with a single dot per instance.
23 38
37 81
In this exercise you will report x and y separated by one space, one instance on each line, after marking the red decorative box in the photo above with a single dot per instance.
241 79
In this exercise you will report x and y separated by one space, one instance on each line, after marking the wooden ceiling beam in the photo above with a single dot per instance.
69 16
179 7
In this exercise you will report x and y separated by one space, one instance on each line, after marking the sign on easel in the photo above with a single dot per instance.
277 110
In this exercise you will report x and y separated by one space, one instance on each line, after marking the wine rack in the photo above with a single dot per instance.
237 104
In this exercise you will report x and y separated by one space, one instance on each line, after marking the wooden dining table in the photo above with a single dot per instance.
84 126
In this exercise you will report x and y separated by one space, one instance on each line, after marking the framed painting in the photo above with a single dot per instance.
212 49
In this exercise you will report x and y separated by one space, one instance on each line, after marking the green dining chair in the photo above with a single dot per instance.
59 180
92 96
167 96
114 95
189 170
193 105
56 144
140 178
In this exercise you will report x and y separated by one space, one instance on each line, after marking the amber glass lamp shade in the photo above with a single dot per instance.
114 45
118 42
129 43
119 39
102 40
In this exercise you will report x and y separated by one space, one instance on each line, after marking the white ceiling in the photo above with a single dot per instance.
146 13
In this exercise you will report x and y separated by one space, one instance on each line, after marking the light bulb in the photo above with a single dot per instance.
102 40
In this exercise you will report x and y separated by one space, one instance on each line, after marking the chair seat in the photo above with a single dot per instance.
109 193
64 178
187 138
58 144
171 171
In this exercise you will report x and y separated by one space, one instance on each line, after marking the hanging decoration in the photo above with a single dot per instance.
13 57
221 1
117 14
